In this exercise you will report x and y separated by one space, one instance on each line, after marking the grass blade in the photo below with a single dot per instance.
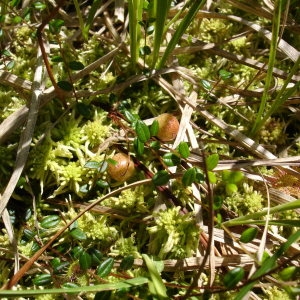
181 29
161 9
156 284
258 123
135 10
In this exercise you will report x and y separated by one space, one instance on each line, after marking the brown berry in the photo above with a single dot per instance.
168 127
123 169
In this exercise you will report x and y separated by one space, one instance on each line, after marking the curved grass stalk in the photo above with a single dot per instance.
196 5
258 123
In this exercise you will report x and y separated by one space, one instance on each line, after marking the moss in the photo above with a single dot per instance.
245 201
175 235
131 200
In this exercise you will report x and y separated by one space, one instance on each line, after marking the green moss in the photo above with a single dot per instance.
245 201
174 235
131 200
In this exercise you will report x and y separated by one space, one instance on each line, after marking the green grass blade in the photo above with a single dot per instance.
258 123
135 10
96 4
156 285
81 289
279 208
161 9
79 15
284 93
268 265
196 5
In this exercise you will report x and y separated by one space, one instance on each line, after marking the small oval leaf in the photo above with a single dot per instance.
127 263
189 177
76 65
248 235
50 221
183 149
212 177
85 261
92 164
154 128
65 85
225 74
171 159
78 234
96 256
142 131
212 161
139 147
42 279
233 277
206 84
161 178
105 268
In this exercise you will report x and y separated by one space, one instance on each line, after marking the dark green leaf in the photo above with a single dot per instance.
105 267
57 58
28 234
92 164
85 261
78 234
76 65
139 147
225 74
171 159
206 84
127 263
155 145
96 256
58 268
199 176
84 109
55 25
50 221
76 251
189 177
154 128
218 202
69 285
129 116
42 279
183 149
65 85
142 131
102 184
145 50
233 277
248 235
161 178
212 161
